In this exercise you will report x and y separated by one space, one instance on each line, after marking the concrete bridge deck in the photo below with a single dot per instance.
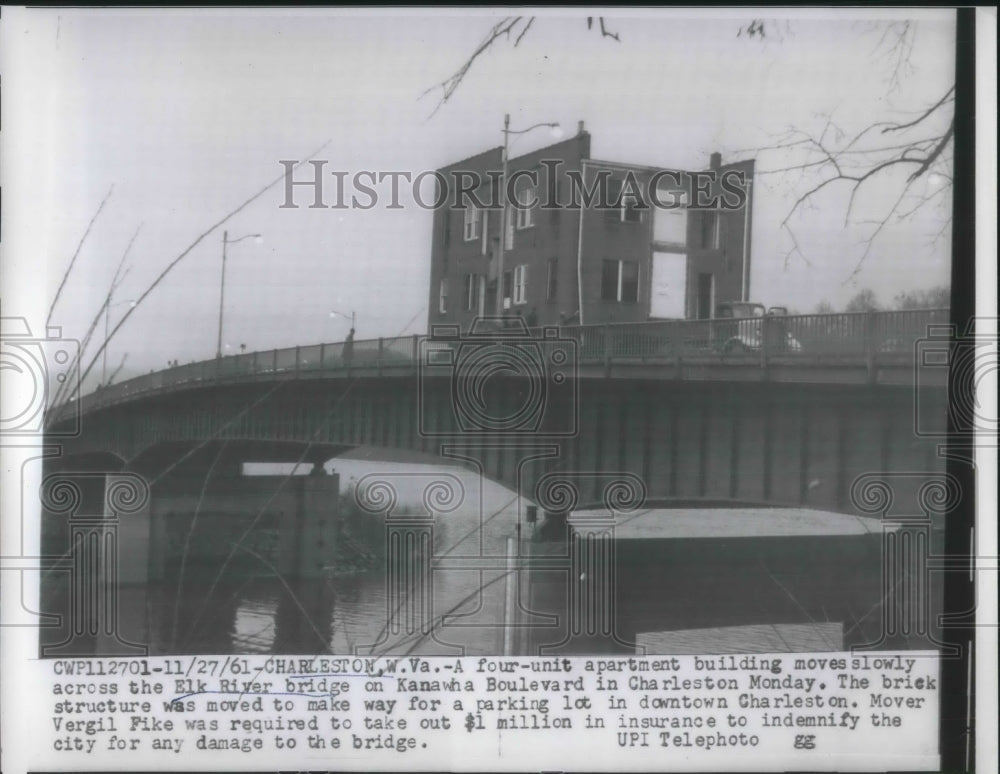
850 348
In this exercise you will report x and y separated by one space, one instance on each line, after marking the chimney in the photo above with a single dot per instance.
715 161
579 128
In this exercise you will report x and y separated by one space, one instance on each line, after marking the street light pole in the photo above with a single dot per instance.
505 159
341 314
503 214
222 285
104 365
222 292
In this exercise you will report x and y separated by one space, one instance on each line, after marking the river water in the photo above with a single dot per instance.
349 614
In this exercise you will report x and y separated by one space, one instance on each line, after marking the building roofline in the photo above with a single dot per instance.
655 168
467 159
565 141
498 149
628 165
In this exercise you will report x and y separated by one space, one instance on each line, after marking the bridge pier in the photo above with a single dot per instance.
97 524
225 518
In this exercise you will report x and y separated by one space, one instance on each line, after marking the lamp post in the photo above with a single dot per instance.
107 315
222 286
335 313
507 132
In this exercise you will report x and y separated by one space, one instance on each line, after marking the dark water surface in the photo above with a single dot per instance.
256 611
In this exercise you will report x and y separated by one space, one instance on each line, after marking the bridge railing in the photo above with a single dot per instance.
671 338
870 335
862 333
854 334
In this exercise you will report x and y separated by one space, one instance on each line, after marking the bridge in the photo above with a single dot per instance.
792 415
798 414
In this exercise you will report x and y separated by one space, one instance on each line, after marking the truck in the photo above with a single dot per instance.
747 326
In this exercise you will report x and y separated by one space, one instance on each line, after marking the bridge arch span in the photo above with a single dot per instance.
778 443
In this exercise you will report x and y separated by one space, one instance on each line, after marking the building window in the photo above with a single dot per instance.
629 286
710 227
609 281
471 222
623 207
670 220
620 281
553 196
525 214
706 296
471 292
520 284
508 288
614 202
443 297
631 211
552 281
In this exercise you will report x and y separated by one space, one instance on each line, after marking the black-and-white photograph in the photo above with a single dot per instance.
496 337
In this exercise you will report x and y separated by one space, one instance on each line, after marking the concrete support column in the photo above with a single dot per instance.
318 500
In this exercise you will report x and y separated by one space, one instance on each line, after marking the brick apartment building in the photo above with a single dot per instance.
627 255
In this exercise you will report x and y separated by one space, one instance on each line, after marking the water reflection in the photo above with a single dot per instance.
350 613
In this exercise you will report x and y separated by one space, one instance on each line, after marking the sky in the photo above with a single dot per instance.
187 114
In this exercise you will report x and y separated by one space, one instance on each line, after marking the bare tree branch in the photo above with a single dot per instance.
858 161
76 253
63 392
870 240
118 369
934 154
170 267
503 30
524 31
902 36
823 158
948 97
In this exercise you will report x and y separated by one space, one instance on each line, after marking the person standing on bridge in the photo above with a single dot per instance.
348 352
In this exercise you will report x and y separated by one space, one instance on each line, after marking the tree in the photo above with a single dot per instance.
863 301
938 297
916 139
